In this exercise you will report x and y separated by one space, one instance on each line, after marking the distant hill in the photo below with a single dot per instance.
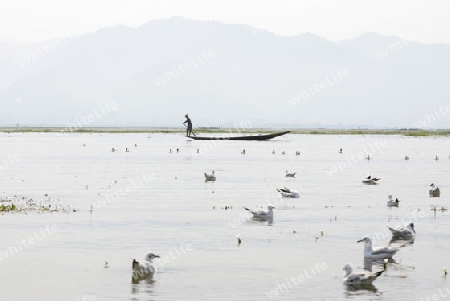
223 75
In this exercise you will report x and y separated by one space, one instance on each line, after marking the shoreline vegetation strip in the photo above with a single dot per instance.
237 131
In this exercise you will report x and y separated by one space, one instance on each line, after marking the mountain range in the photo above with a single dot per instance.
223 75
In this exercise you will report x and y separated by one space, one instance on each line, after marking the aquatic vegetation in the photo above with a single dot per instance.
8 207
17 204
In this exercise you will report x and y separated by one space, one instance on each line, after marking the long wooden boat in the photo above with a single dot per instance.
252 137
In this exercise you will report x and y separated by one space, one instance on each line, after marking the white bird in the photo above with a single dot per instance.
288 193
434 191
392 202
407 231
370 180
364 277
211 177
261 214
290 174
379 252
145 268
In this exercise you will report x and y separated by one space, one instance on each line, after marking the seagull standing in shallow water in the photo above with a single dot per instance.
378 252
365 277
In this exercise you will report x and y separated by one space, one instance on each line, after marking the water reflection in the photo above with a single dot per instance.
143 285
402 241
268 221
368 263
143 279
359 289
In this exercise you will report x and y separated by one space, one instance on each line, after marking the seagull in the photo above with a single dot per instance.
436 158
365 277
145 268
434 191
288 193
262 214
297 153
243 152
290 174
406 157
407 231
368 157
210 177
379 252
392 202
370 180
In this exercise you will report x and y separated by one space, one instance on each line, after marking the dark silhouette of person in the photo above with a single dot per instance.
189 125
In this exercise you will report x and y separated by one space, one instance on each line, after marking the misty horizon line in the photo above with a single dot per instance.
74 128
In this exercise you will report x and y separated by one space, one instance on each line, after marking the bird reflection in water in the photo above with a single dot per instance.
142 285
401 241
359 289
368 263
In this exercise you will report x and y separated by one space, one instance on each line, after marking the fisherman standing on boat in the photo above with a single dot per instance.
189 125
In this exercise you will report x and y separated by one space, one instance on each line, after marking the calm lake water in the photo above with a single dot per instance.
150 200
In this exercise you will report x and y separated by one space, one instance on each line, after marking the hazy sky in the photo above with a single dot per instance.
31 20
